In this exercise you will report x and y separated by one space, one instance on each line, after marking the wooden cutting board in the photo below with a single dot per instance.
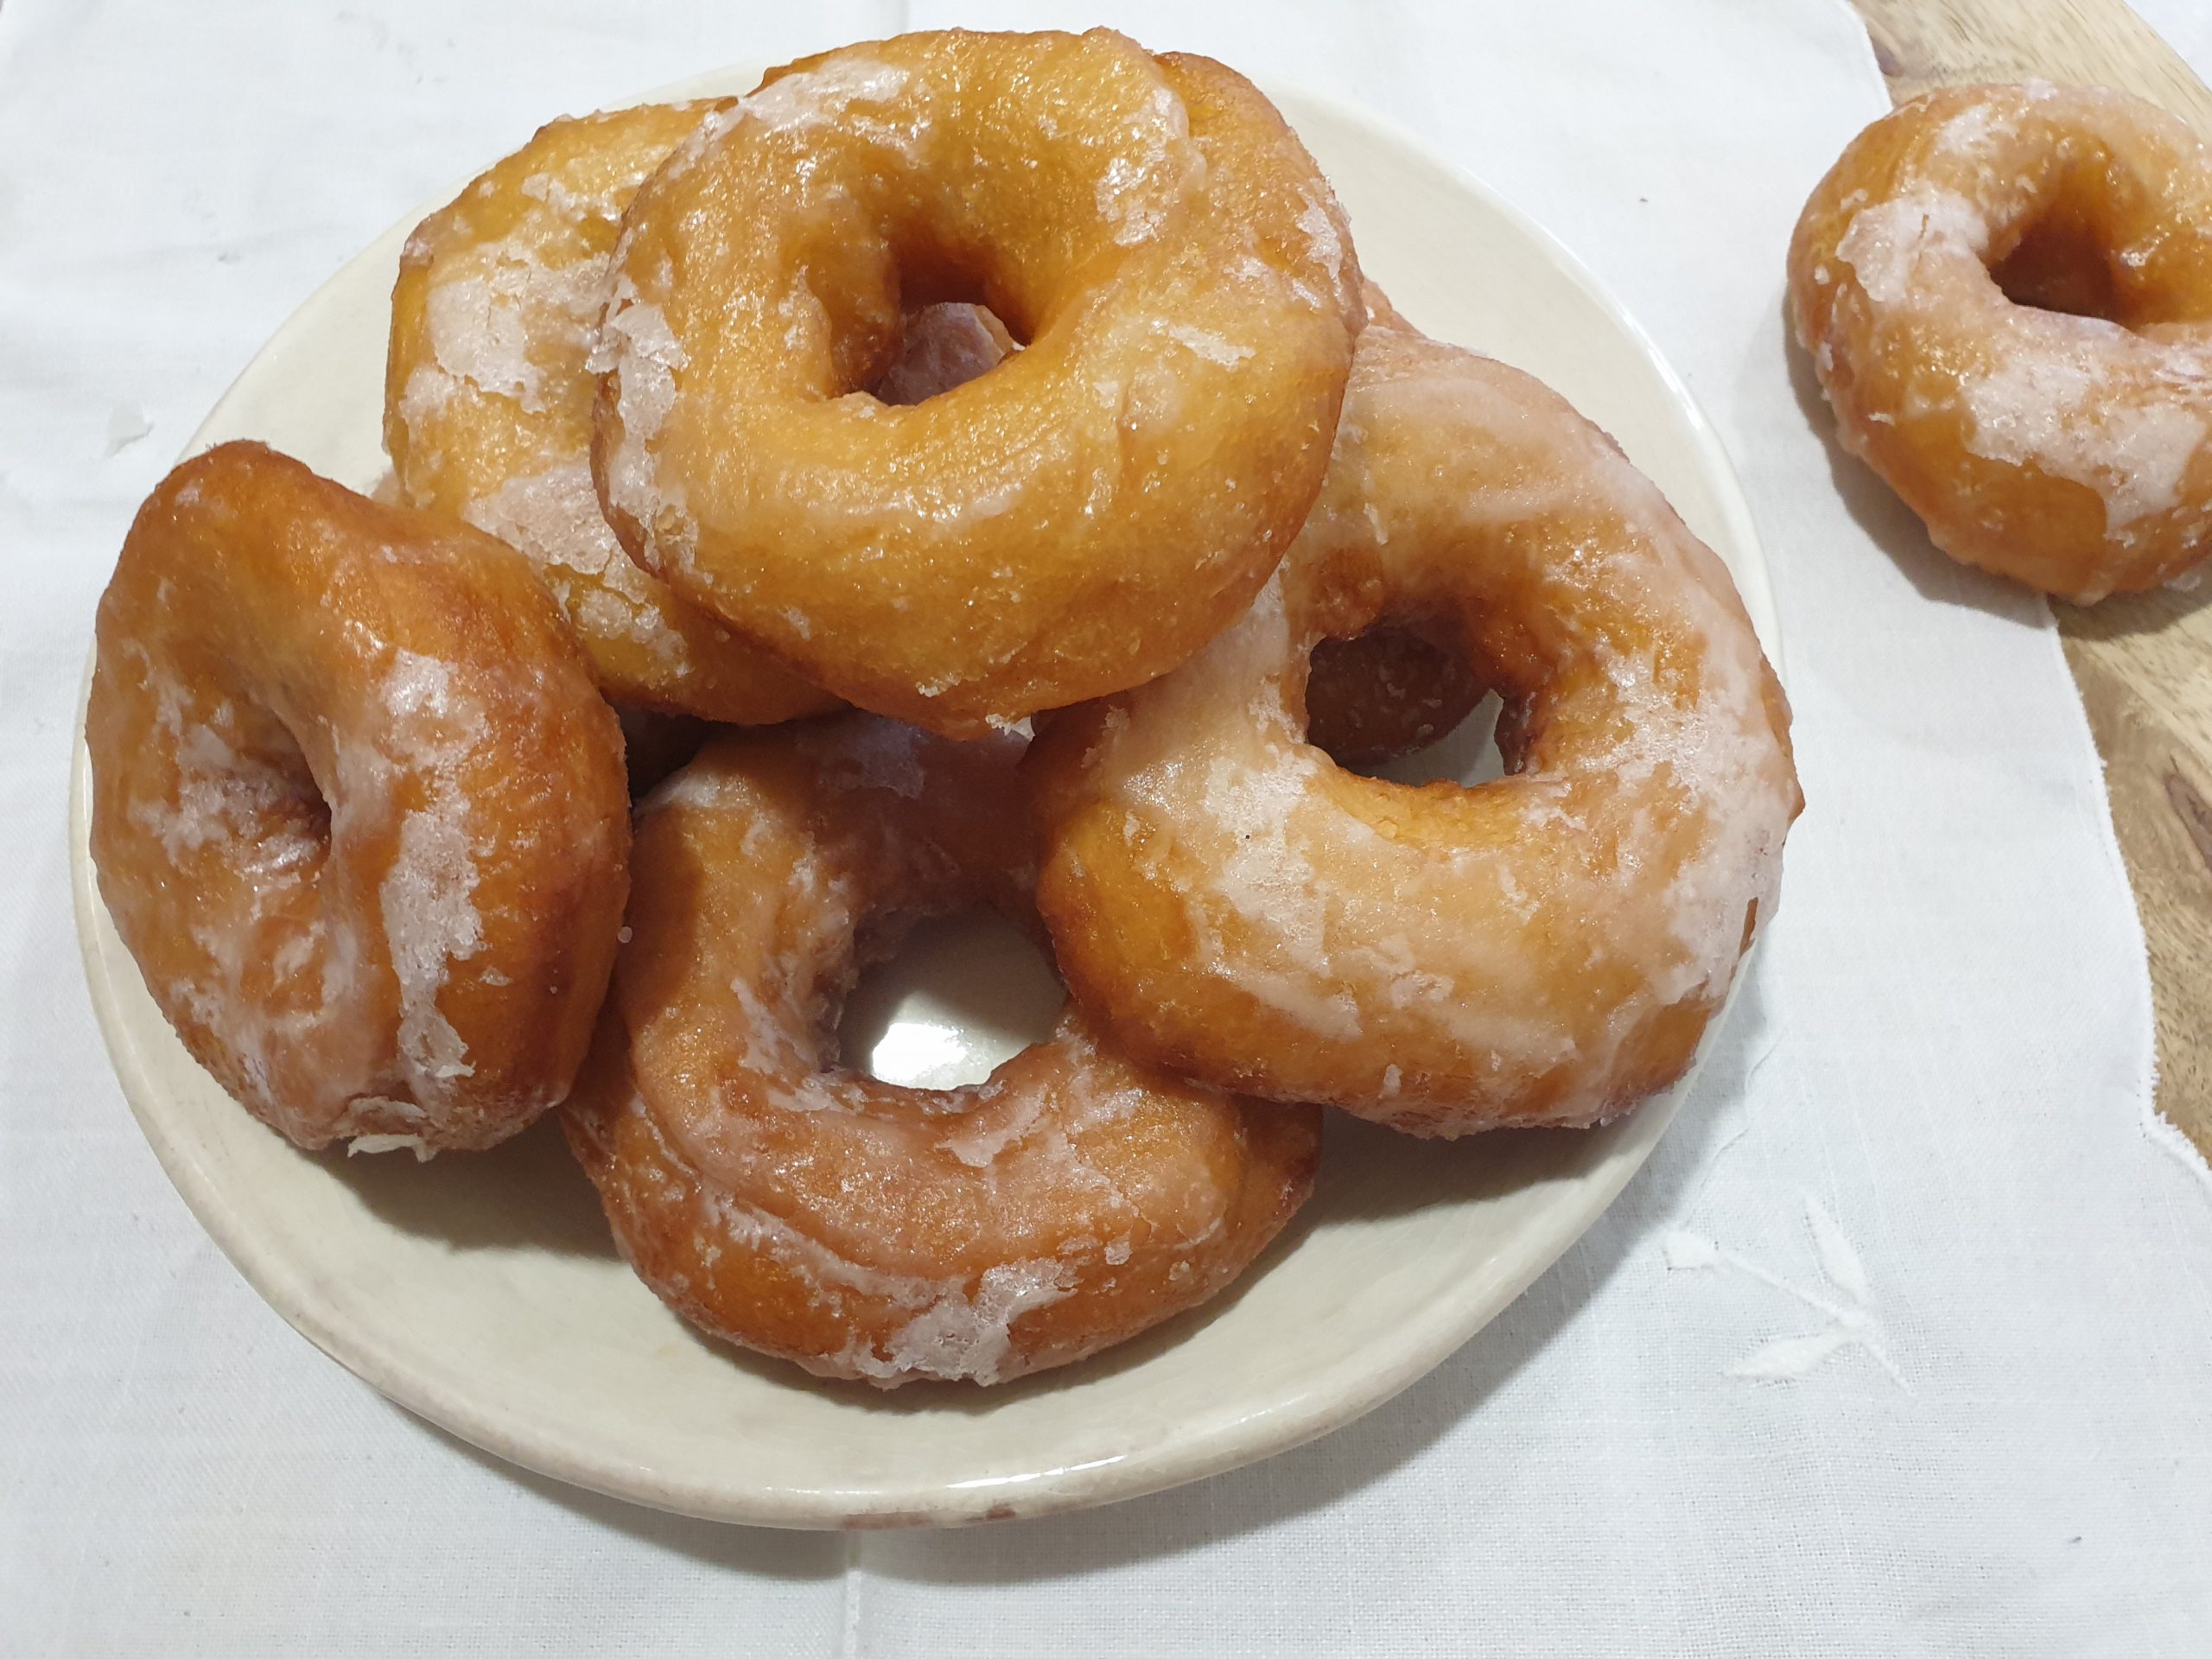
2143 661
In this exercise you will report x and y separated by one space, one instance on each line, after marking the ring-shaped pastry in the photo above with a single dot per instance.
1075 521
1543 949
2007 294
859 1228
357 809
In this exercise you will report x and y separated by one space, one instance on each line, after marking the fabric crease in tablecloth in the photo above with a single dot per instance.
1898 1345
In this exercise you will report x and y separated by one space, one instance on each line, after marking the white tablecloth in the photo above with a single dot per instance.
1902 1344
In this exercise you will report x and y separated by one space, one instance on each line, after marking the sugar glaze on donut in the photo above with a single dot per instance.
357 810
1076 520
488 406
1546 948
859 1228
2007 294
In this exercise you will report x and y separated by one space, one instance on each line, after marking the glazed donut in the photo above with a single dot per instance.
1076 521
487 406
860 1228
357 810
2007 294
1544 949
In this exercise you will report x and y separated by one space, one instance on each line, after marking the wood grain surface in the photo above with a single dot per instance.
2143 661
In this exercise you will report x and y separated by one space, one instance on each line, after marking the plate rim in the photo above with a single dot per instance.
1315 1408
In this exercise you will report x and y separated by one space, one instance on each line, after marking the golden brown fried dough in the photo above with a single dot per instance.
357 811
2007 294
1546 948
859 1228
1078 519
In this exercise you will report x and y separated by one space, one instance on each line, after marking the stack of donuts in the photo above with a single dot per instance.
974 471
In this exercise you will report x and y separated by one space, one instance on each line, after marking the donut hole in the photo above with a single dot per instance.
2060 264
1398 701
1466 754
951 998
943 344
310 814
2064 254
251 772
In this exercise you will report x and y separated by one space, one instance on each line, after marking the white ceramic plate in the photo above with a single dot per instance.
482 1291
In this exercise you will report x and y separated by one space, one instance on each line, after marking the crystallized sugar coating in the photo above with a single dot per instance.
970 1338
2056 403
1888 241
554 517
492 329
1970 131
476 338
822 96
239 798
574 206
978 1145
430 919
430 923
1140 186
1323 222
1269 882
1211 346
637 347
428 394
223 795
